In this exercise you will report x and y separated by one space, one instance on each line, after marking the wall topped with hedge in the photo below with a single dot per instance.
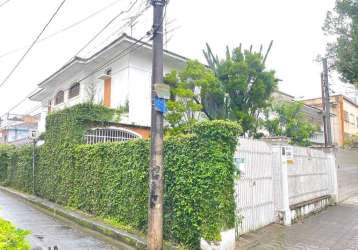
110 180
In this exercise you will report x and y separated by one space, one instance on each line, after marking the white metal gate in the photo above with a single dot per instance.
254 189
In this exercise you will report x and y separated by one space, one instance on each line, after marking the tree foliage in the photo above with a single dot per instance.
287 119
342 23
187 90
12 238
237 87
351 142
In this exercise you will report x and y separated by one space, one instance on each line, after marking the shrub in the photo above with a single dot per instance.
12 238
110 180
5 160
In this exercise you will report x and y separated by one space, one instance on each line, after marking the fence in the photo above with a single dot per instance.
254 190
98 135
276 179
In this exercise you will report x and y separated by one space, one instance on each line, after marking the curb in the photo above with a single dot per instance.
81 220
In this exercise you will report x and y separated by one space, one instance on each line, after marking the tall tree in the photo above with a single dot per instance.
342 23
237 87
245 83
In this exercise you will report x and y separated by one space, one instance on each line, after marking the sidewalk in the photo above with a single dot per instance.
48 232
334 229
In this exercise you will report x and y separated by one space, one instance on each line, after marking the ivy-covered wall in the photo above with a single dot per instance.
6 152
110 180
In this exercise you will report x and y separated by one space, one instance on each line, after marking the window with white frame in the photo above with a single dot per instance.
110 134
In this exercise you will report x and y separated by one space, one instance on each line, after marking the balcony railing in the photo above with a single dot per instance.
318 138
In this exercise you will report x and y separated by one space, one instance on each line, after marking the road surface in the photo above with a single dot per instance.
48 232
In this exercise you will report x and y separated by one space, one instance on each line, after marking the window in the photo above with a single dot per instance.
352 120
60 96
100 135
346 116
74 90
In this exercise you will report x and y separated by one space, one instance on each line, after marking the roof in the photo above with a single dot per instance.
283 93
80 60
344 97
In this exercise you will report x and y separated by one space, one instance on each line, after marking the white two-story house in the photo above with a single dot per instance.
123 82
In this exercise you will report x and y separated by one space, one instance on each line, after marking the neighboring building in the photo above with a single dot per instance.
124 83
312 114
17 129
345 121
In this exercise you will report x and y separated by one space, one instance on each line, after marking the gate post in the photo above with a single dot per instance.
333 175
285 197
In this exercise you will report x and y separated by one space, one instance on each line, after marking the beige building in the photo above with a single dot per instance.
345 119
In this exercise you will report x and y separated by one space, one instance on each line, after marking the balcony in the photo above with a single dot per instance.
317 138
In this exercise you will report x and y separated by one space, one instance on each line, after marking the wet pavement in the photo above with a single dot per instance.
333 229
48 232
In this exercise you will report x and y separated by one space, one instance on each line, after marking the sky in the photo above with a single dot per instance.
293 25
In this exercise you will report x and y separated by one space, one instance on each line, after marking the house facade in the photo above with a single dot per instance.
110 77
345 119
312 114
17 129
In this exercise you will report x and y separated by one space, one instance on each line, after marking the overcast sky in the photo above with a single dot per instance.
294 25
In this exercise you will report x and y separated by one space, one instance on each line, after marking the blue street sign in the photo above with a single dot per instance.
160 105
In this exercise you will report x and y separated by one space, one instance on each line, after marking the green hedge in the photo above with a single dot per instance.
5 161
12 238
68 125
110 180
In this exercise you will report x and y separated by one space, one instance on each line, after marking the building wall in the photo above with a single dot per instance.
350 126
337 119
130 83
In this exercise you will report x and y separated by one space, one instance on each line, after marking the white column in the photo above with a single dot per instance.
333 175
42 123
285 197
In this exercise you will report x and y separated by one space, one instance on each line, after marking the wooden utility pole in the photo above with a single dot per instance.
327 106
156 173
324 112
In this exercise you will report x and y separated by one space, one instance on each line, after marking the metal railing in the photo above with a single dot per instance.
101 135
318 138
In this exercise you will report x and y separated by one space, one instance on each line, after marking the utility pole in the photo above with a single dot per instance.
327 112
156 173
324 112
33 164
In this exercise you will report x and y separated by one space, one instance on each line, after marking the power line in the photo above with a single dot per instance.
120 55
32 45
29 95
129 48
63 29
106 26
5 2
136 45
121 28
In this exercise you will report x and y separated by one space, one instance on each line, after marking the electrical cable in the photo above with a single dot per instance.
63 29
29 95
121 28
105 27
5 2
113 59
33 44
121 55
